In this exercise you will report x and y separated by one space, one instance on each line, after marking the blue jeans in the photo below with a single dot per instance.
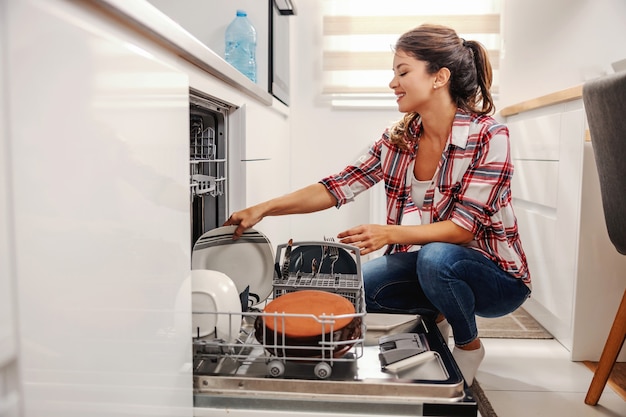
445 278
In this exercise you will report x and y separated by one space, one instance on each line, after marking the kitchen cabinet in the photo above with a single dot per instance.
94 145
7 326
9 386
207 20
99 175
576 271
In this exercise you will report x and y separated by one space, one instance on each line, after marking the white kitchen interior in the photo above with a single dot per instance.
94 191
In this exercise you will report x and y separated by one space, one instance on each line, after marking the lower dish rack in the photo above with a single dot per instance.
259 350
246 353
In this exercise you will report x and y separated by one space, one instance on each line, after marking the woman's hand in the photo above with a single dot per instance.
367 237
371 237
244 219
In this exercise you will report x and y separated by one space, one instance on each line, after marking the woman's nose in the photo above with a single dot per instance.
393 83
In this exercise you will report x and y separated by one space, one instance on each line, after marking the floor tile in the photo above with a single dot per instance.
535 377
553 404
531 365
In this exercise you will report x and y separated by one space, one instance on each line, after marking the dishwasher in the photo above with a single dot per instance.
404 371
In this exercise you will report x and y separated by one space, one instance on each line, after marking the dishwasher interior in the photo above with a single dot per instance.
208 163
394 370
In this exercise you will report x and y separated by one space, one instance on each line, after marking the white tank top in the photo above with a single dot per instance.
418 190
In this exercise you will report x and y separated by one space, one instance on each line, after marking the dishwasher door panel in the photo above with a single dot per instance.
360 388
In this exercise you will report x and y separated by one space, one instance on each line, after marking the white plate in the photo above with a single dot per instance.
248 261
213 292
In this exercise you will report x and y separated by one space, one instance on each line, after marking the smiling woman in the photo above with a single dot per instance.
358 35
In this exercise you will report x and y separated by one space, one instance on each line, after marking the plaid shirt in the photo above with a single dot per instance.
471 187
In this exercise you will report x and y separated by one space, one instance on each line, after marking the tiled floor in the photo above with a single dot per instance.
534 377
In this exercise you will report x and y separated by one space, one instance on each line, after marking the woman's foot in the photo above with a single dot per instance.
469 358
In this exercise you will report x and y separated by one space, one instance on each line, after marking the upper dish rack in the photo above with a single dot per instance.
346 282
208 172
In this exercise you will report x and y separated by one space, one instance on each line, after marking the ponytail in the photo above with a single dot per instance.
484 79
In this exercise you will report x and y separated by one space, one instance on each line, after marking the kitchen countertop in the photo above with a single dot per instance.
150 21
562 96
569 94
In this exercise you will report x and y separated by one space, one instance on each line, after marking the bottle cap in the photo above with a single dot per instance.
241 13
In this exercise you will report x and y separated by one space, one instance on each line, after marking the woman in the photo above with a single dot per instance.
452 242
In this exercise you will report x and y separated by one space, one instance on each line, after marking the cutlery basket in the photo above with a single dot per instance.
297 273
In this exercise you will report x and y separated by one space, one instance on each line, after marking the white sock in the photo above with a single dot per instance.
468 361
444 329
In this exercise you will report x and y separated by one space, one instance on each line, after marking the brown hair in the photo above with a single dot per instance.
468 62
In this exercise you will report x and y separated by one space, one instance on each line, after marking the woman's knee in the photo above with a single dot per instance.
435 256
373 273
438 266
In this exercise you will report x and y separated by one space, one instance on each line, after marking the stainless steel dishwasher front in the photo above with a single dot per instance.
358 387
247 377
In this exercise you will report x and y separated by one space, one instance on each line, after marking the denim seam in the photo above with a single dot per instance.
379 290
456 299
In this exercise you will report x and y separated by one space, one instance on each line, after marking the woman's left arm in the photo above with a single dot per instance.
371 237
486 184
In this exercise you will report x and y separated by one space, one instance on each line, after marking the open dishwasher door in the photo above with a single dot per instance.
409 372
431 388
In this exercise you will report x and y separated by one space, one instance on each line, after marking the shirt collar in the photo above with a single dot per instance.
460 128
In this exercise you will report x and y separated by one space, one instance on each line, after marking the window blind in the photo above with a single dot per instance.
358 36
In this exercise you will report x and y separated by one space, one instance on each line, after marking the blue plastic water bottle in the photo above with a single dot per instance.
240 49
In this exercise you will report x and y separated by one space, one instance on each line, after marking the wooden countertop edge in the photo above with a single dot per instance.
562 96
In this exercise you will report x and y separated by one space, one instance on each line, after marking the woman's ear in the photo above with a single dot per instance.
442 77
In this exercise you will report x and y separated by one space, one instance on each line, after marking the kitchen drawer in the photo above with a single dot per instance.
538 231
536 138
536 182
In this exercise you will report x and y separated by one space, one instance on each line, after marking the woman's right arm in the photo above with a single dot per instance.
332 191
312 198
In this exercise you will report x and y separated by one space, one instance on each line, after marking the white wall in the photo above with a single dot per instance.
324 140
557 44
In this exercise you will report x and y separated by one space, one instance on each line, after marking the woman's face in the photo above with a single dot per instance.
411 83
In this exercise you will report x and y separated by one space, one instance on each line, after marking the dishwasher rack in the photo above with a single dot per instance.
255 345
207 170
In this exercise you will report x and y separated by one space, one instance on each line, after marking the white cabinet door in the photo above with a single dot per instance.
7 320
546 188
99 154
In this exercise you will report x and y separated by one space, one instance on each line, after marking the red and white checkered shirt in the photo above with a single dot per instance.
471 187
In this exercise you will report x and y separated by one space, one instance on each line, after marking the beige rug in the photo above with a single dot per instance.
517 325
484 406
